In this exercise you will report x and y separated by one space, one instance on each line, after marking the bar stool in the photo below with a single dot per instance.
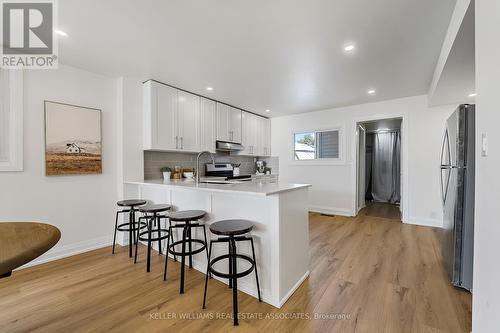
131 226
152 216
188 220
233 231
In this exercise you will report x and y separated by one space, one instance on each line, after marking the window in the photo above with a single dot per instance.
317 145
11 120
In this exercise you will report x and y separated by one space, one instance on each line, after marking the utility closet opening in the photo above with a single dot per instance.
379 186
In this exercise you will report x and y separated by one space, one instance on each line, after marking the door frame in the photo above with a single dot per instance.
404 204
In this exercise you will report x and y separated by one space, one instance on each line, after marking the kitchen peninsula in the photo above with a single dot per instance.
279 212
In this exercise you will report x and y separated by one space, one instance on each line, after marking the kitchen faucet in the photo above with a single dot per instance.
198 163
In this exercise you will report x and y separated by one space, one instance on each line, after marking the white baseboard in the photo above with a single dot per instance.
68 250
330 210
424 221
294 288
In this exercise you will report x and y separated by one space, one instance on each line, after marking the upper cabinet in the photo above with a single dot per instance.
228 123
171 118
265 134
255 135
175 120
208 130
188 121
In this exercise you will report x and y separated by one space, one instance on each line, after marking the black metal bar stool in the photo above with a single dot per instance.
234 231
131 226
186 220
153 225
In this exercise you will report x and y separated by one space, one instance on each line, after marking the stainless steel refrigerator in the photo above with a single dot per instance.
457 194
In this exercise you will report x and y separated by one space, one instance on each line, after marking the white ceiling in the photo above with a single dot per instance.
457 79
283 55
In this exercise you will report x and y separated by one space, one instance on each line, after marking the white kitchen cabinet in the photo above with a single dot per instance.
159 116
228 123
265 135
250 138
188 121
256 136
171 118
208 124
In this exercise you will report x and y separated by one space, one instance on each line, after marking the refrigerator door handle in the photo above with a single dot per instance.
444 189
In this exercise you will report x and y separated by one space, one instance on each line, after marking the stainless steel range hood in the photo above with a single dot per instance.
228 146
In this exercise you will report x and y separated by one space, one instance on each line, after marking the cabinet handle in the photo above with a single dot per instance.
176 142
182 142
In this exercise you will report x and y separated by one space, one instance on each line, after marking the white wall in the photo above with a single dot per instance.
82 207
334 186
486 295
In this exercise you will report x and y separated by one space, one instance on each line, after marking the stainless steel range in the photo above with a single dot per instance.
223 173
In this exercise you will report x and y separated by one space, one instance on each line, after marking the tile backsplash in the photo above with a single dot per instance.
154 160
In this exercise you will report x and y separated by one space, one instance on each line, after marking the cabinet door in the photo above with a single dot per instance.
265 126
189 121
223 122
248 134
235 125
208 126
163 117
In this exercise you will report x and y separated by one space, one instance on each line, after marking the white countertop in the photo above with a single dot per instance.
259 188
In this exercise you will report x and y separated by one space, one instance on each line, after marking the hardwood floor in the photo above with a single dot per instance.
384 210
382 276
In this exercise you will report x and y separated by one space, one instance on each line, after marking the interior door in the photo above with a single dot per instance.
361 166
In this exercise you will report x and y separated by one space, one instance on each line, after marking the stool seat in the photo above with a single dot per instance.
131 203
231 227
154 208
187 215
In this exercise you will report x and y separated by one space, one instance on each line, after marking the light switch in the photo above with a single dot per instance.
484 145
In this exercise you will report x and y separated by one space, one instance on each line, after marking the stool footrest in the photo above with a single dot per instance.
126 226
171 248
165 236
227 275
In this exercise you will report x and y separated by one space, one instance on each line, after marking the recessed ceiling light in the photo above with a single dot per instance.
371 92
349 48
472 95
210 88
267 110
61 33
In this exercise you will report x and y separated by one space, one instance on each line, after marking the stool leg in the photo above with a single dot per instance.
206 248
135 255
235 283
114 237
255 267
130 224
148 262
134 233
166 255
183 258
206 276
190 247
230 265
159 234
171 234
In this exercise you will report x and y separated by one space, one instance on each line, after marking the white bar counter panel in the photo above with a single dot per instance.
281 229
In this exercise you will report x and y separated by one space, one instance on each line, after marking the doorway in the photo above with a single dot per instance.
379 183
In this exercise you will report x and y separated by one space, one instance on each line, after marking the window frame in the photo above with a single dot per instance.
320 161
13 138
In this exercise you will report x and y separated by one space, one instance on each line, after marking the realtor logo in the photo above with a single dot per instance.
28 34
